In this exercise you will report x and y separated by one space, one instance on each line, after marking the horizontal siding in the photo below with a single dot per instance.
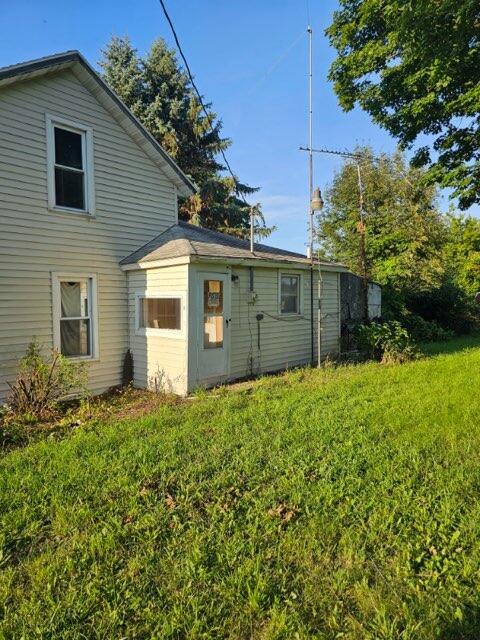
283 342
159 361
134 202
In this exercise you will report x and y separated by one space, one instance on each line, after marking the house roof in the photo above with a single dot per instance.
86 74
185 239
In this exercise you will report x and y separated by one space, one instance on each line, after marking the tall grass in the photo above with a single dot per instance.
335 504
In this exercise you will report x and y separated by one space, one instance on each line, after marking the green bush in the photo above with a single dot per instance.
42 382
424 330
432 315
448 306
386 341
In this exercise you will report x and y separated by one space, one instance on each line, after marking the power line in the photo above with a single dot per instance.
207 115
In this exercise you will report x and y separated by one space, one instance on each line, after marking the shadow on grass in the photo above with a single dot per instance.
466 629
454 345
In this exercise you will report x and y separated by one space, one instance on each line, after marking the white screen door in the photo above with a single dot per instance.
214 318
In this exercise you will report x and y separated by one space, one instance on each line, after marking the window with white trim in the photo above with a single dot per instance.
70 166
160 314
75 316
289 293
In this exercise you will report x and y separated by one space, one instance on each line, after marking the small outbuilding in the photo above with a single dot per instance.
204 309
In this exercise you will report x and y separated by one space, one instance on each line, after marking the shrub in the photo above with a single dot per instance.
448 306
425 330
42 382
386 341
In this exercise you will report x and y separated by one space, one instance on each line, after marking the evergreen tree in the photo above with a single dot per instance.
160 94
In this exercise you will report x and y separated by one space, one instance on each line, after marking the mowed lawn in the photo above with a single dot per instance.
343 503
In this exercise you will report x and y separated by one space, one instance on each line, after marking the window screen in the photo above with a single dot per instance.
69 169
290 294
160 313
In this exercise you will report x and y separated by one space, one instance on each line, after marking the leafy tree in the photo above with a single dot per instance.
427 262
415 68
405 233
462 252
160 94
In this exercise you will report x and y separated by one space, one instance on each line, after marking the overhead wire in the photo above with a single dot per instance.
200 99
274 65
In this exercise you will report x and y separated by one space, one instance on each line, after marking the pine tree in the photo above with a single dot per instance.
159 93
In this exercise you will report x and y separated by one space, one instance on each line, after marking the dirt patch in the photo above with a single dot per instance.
115 404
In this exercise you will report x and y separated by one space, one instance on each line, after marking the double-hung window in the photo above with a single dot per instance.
290 293
70 166
75 326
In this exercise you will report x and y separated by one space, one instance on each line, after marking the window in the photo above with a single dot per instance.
74 316
289 293
160 313
70 168
212 314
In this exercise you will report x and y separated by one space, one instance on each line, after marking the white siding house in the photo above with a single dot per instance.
134 198
82 187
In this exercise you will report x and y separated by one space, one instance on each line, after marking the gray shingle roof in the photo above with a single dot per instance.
185 239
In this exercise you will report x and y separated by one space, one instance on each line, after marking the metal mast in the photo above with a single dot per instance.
310 138
310 183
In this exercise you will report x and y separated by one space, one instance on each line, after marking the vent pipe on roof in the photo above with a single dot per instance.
251 229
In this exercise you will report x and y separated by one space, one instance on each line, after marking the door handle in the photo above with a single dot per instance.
228 320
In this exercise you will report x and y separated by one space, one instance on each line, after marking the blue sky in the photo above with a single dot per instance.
249 58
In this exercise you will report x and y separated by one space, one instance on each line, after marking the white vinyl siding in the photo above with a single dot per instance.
284 341
134 201
159 356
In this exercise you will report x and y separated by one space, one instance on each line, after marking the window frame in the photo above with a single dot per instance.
161 333
299 276
86 133
91 279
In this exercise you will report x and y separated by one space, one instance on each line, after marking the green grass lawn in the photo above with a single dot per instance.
343 503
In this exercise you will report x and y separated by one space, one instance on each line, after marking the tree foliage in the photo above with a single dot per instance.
462 252
427 262
159 93
404 231
415 68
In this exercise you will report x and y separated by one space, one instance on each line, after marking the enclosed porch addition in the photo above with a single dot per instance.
204 310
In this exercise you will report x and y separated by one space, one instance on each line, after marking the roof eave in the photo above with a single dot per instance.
245 262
